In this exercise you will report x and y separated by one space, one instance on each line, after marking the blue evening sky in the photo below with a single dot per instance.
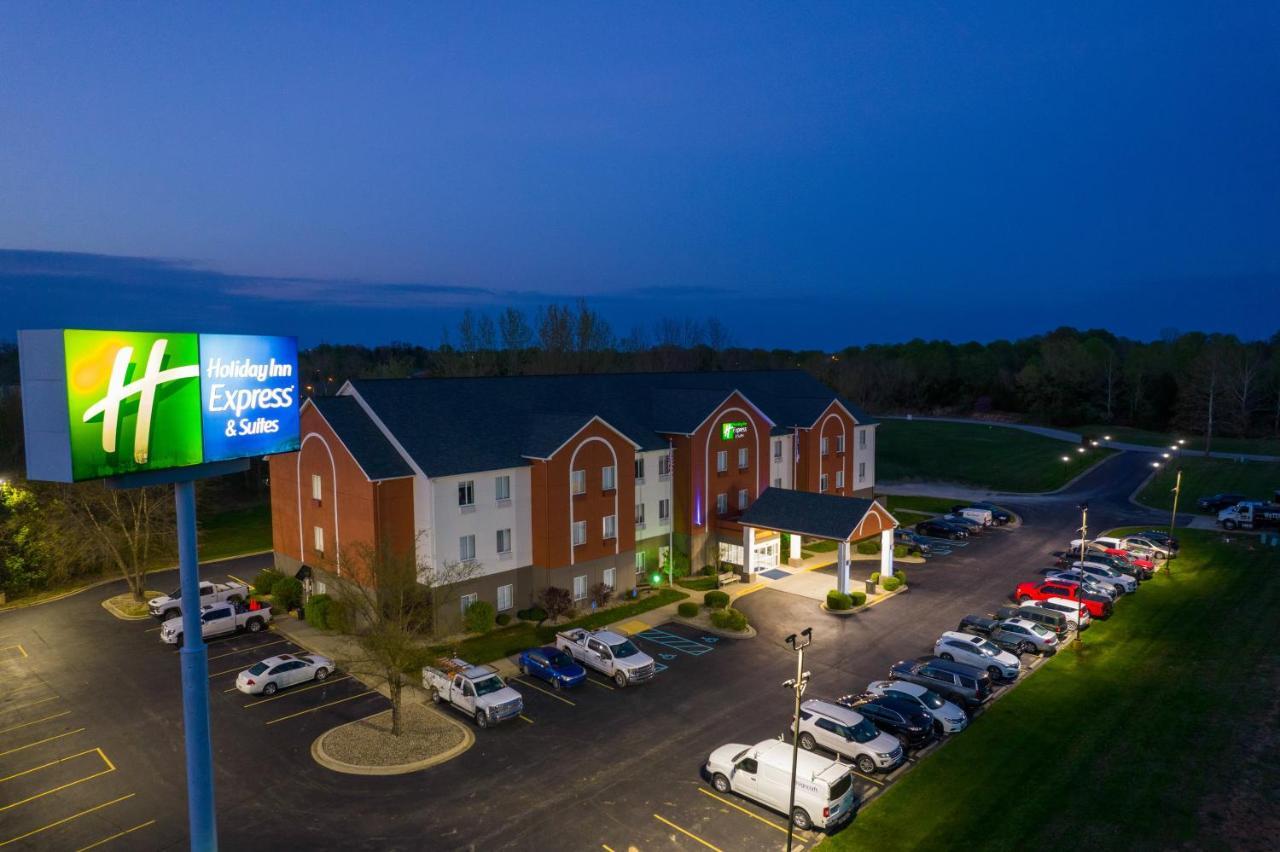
813 174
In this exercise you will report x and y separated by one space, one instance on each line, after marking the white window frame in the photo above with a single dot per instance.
465 543
822 484
840 443
609 527
466 493
839 479
508 592
639 514
664 466
465 601
579 533
722 461
502 488
722 504
664 510
502 534
580 587
608 478
862 471
639 561
317 487
317 538
822 444
577 482
862 439
777 482
744 458
639 470
777 449
743 496
610 578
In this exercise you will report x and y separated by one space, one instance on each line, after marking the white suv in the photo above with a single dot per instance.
849 734
978 652
950 718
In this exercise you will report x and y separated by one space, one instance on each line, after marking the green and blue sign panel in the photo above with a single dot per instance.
107 403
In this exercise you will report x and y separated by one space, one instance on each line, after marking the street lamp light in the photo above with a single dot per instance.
797 685
1066 458
1106 437
1084 535
1079 449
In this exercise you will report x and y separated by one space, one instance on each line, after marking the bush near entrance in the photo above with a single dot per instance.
891 584
266 580
286 593
837 600
866 548
688 609
729 619
859 598
716 600
503 619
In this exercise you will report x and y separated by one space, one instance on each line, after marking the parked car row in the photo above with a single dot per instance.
963 521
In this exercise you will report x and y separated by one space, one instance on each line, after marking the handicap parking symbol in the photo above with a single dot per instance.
667 656
711 639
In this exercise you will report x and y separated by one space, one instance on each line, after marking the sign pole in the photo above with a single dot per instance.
195 679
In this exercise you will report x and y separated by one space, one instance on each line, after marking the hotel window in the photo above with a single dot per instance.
467 548
466 493
639 514
777 449
639 469
839 479
580 587
578 482
610 578
664 510
579 533
318 535
722 461
722 504
777 483
822 484
505 594
317 487
609 477
467 601
610 527
862 471
742 499
664 466
504 541
840 443
639 561
502 488
823 444
862 439
742 458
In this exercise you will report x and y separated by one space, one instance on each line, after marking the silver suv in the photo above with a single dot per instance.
848 734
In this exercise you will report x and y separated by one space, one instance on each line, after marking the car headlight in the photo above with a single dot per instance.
884 756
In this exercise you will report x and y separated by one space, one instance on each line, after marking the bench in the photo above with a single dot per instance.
726 578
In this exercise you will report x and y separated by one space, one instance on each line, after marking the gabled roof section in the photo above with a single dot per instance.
362 437
829 516
548 433
464 425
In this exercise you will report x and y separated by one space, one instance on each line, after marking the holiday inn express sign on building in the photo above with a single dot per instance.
106 403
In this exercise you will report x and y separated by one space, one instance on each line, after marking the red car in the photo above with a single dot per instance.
1098 607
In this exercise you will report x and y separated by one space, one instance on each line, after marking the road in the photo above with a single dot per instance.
595 768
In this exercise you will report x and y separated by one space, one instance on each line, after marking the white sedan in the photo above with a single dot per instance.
268 676
948 716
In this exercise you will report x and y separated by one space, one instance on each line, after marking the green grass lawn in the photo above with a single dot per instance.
1121 743
919 505
1261 446
235 531
506 641
698 584
1202 477
994 457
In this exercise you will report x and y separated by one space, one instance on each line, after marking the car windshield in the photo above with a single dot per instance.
257 668
1041 629
176 593
489 684
559 659
989 648
864 732
624 649
931 699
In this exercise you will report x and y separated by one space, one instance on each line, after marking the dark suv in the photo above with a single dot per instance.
906 720
965 684
941 529
913 542
1217 502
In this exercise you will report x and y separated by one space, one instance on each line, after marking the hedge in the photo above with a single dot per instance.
317 611
838 600
859 598
479 617
729 619
533 613
716 600
286 593
901 575
266 580
688 609
503 619
899 551
868 547
891 584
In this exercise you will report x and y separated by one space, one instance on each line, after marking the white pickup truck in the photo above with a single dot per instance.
169 606
609 653
478 691
219 620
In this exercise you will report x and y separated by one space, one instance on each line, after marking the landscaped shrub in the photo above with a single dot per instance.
699 584
479 617
600 594
891 584
503 619
266 580
899 551
533 613
688 609
709 571
901 575
556 601
875 577
729 619
837 600
716 599
858 598
287 593
336 616
868 547
317 610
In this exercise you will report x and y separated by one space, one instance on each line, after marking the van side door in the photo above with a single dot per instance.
746 778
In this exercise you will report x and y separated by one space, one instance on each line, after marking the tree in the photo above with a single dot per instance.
555 601
125 527
26 544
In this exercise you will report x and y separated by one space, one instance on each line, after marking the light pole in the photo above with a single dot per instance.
1084 535
1173 517
796 685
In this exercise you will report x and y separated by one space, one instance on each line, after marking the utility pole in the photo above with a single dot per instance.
796 685
1084 535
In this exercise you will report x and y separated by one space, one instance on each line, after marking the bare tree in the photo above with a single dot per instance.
125 527
1243 371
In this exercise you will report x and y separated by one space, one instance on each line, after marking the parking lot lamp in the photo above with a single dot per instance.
796 685
1173 517
1084 535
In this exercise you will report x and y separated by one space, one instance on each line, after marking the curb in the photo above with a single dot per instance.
111 608
320 756
749 633
841 613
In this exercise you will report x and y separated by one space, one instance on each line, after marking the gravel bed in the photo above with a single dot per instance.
368 742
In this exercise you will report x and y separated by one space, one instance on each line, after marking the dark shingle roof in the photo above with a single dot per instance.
451 426
372 451
807 513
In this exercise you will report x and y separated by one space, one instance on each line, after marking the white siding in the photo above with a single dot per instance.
868 455
784 467
649 493
484 519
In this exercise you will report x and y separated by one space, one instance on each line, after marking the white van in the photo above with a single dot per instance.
762 773
973 513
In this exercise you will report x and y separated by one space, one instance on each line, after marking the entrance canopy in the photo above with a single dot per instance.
828 516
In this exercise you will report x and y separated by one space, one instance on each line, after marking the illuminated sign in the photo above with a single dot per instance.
145 401
733 431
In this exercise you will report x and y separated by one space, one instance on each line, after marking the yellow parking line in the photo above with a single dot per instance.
606 847
599 684
21 650
296 691
867 777
39 742
36 721
238 580
27 706
688 833
544 691
232 689
526 718
153 629
50 763
737 807
57 823
253 648
110 768
117 834
321 706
